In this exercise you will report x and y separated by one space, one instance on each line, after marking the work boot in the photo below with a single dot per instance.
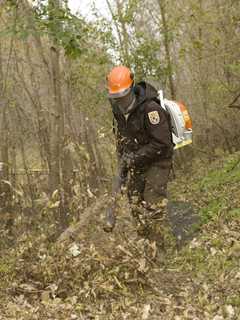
145 228
138 213
159 229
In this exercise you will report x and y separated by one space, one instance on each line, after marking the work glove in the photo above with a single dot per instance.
128 160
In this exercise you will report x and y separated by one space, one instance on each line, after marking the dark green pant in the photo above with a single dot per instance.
147 192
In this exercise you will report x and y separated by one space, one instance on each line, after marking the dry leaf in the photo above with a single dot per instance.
146 311
74 250
45 296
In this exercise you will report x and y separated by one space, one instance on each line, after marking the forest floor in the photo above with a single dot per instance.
89 274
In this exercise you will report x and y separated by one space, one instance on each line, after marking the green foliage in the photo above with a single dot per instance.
216 192
7 269
145 59
227 174
233 213
68 31
212 210
234 68
4 268
234 300
133 46
72 33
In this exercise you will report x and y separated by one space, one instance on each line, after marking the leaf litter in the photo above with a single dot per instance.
88 274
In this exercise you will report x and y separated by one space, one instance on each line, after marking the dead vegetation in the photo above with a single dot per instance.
88 274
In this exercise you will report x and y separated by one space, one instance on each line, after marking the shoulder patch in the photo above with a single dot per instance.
154 117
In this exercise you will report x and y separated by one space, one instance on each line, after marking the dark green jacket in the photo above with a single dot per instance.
146 133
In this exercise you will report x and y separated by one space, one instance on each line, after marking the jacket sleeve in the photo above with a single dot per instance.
120 149
119 143
116 132
159 133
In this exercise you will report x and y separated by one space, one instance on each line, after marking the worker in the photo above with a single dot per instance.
145 149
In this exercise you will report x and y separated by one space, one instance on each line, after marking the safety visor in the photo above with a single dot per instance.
119 94
124 103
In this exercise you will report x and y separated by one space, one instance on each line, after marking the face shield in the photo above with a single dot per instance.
125 102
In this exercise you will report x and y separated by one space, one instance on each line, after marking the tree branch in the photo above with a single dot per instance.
232 104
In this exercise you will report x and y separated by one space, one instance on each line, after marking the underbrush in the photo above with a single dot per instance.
94 275
213 191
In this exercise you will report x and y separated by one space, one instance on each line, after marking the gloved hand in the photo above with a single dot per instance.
128 159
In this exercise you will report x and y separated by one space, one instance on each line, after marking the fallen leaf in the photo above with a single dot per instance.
45 296
229 310
74 250
146 311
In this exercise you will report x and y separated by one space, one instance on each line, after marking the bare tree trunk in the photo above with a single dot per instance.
162 6
180 154
24 158
119 34
121 30
42 130
5 190
57 132
125 37
38 43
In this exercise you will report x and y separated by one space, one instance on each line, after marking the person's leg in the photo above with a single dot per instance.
155 202
135 187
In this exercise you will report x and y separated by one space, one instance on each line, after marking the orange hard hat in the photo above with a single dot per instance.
120 81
